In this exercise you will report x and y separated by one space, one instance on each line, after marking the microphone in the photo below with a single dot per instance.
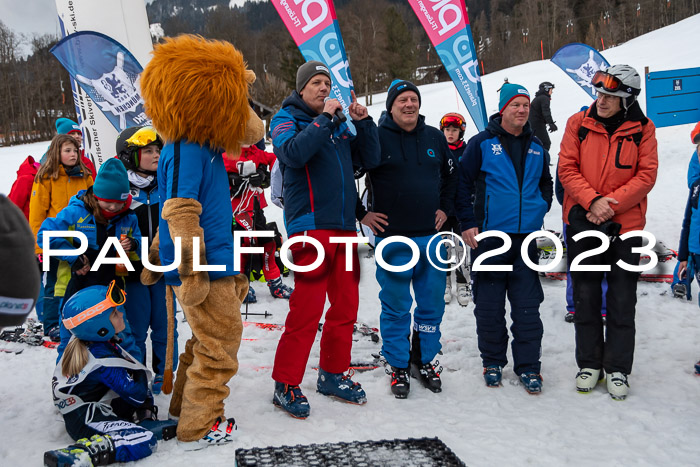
338 113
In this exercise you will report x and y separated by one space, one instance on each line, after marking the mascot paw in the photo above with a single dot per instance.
194 289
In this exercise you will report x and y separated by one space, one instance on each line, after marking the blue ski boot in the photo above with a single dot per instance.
532 382
341 387
291 399
697 368
278 289
493 375
98 450
250 298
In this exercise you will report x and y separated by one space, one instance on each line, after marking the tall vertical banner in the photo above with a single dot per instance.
314 28
580 62
447 25
125 23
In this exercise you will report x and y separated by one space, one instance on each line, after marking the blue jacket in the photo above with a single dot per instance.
77 217
145 204
504 181
188 170
317 161
690 231
415 178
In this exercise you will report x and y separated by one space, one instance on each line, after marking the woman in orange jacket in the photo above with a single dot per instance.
607 165
60 177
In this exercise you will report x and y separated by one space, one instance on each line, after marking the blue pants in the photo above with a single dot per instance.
51 303
395 296
688 279
524 291
145 307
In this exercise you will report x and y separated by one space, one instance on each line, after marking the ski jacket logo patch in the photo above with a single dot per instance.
431 153
497 149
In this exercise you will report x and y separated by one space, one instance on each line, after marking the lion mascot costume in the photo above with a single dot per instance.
196 94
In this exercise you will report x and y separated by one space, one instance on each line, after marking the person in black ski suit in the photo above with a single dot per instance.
541 116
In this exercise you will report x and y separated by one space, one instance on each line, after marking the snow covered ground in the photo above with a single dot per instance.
657 425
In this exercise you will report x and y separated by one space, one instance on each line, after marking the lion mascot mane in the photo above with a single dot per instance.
196 93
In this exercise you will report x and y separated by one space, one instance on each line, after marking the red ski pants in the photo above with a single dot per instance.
307 303
270 269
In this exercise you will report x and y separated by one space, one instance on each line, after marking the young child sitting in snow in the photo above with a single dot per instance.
689 247
102 391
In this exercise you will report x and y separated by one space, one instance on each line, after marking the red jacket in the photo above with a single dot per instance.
21 190
260 158
609 165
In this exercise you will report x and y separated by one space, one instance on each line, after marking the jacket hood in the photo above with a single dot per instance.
295 100
542 92
197 89
496 129
28 168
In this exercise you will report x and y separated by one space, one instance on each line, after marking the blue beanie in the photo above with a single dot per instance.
397 87
66 125
510 91
112 182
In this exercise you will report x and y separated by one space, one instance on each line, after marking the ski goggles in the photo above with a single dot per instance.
611 83
143 137
453 120
115 297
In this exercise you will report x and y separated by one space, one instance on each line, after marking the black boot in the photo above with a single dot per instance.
400 382
428 375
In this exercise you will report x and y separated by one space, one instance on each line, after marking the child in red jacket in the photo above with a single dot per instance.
248 175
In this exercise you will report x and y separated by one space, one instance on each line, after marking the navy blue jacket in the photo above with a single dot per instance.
690 231
145 203
416 177
317 161
504 181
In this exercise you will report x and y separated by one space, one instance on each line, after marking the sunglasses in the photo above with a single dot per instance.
143 137
610 83
454 121
115 297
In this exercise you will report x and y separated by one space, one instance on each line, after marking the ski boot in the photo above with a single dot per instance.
279 290
697 369
604 318
448 290
493 375
532 382
587 378
680 290
98 450
618 387
428 375
341 387
291 399
250 298
222 432
569 318
464 294
400 382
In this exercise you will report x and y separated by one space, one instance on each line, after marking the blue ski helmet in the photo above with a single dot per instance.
86 314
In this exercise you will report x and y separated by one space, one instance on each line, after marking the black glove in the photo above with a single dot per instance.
256 180
552 127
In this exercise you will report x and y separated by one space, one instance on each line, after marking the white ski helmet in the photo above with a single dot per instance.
631 84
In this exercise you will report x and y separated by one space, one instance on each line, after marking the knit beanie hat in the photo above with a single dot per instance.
397 87
66 125
695 134
112 182
19 277
510 91
308 70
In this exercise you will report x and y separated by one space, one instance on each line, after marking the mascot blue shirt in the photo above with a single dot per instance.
197 172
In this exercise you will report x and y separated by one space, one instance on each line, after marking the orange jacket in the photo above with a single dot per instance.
49 196
608 165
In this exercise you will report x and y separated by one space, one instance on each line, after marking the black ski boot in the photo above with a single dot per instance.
428 374
98 450
400 382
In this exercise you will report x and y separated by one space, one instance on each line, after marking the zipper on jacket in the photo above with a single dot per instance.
520 208
486 216
342 184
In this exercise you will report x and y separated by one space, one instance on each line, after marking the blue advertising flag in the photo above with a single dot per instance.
580 62
107 72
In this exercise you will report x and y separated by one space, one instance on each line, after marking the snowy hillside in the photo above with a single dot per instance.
657 425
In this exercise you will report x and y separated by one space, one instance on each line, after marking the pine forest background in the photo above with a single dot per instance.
383 39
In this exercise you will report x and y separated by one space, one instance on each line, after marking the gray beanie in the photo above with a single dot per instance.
19 276
308 70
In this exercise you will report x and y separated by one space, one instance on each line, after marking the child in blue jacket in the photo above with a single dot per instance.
102 391
100 212
689 247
